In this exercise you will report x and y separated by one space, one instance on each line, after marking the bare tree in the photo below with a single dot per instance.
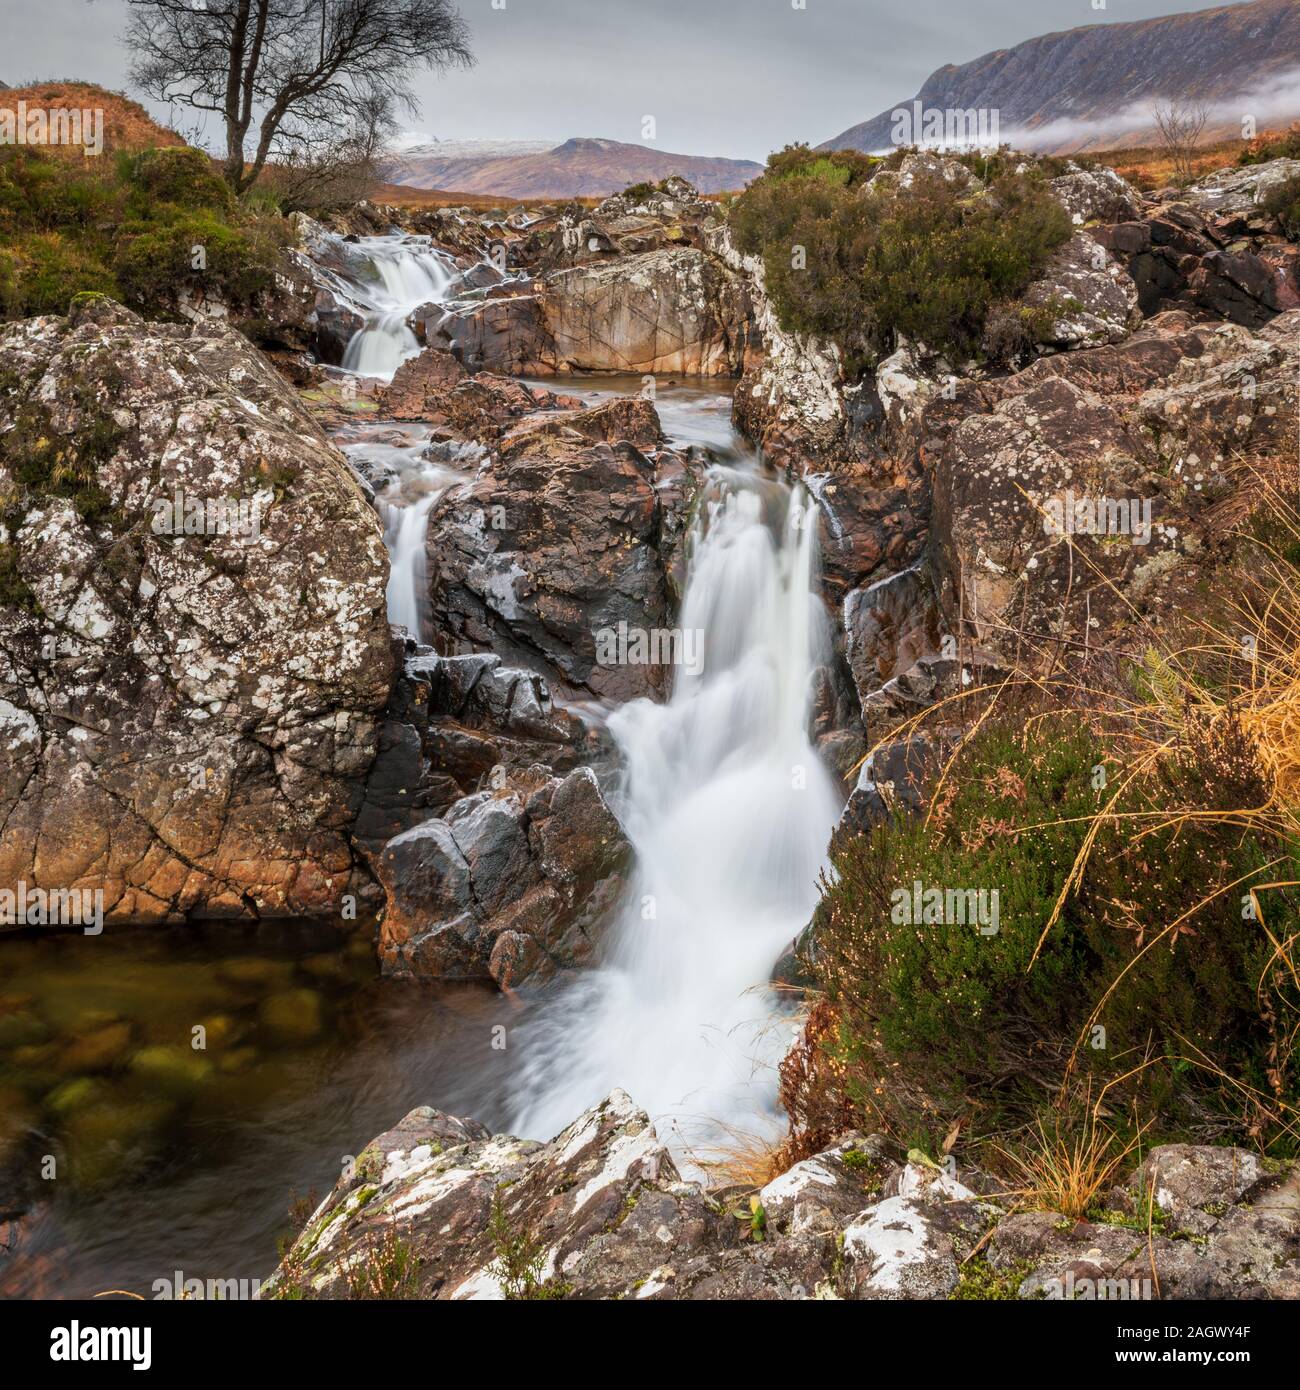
324 175
1180 124
309 73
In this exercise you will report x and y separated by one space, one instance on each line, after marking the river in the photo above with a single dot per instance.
171 1159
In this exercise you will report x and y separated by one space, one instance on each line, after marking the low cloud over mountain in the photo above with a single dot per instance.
1093 87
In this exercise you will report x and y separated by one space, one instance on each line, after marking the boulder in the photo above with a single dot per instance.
510 885
565 534
602 1212
910 1244
788 401
1239 191
890 626
189 716
1070 504
1088 298
666 310
496 1218
619 294
1190 1222
456 725
433 388
1095 195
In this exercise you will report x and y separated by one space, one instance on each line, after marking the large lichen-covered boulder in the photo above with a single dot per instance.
667 310
1069 499
912 1242
1083 296
438 1208
491 1218
1191 1221
1095 195
188 713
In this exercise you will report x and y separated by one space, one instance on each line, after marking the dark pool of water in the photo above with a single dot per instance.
168 1157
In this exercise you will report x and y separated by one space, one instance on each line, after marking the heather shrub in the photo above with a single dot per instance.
128 227
854 257
1157 976
1283 202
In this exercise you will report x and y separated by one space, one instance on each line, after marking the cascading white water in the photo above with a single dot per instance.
393 276
407 483
730 812
409 274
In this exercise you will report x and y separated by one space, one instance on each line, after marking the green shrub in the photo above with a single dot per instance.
956 1016
47 270
864 262
636 192
814 237
1283 202
127 227
154 263
178 175
841 168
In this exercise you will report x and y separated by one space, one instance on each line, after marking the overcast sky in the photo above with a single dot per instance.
721 77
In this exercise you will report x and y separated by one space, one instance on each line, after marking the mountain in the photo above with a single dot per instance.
1093 87
576 169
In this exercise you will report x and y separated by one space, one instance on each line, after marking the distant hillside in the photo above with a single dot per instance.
400 195
1093 87
577 168
127 125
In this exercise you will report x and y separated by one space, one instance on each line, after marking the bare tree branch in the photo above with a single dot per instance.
1180 124
327 71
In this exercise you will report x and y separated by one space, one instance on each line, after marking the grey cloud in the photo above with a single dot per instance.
731 78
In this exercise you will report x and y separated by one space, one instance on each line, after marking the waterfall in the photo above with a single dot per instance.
388 277
407 480
404 275
730 812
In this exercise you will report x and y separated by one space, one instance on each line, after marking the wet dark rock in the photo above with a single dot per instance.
564 534
452 727
511 885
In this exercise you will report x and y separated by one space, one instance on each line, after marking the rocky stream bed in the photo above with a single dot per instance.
452 863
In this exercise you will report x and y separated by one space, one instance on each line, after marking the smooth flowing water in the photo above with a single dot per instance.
730 812
405 273
409 473
176 1160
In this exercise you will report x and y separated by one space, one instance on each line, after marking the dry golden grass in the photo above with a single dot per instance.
1150 166
127 125
1224 687
398 195
742 1160
1057 1169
